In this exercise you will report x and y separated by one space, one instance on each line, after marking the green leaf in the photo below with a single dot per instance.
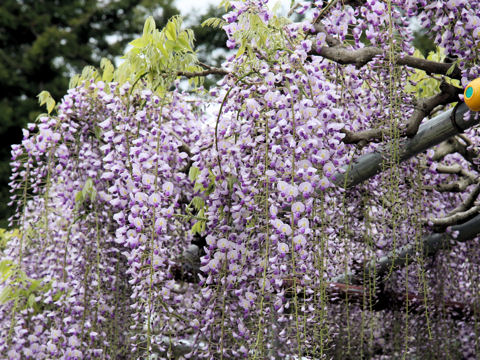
98 132
231 180
6 294
139 43
198 187
74 81
88 191
50 105
193 173
108 70
93 195
214 22
34 285
183 41
57 296
45 98
225 4
242 48
79 198
171 45
451 68
88 184
149 26
6 269
89 72
198 203
171 31
163 50
197 228
31 301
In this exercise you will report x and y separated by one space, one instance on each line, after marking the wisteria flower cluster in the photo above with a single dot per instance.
148 230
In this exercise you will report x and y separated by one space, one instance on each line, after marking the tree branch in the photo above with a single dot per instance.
457 170
362 56
431 244
456 186
430 133
210 71
454 145
363 136
468 202
359 57
448 93
453 219
445 148
186 149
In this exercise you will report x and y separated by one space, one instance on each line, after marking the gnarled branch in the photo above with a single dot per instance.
359 57
456 186
448 93
455 218
468 202
362 137
210 71
431 133
457 170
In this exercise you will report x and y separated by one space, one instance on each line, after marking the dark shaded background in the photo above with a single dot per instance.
44 42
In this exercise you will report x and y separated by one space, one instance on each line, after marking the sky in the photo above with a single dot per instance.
199 6
187 6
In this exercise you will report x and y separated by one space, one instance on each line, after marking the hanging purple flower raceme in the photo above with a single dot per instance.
143 227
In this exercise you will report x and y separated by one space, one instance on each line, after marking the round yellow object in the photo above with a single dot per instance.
471 95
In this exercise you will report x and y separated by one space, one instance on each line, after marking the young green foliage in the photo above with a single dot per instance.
45 98
423 85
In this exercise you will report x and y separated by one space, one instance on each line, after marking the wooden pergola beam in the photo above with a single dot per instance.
430 133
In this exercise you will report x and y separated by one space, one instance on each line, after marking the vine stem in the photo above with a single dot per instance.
292 224
24 214
267 246
152 238
225 98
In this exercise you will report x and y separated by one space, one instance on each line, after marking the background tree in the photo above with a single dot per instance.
44 42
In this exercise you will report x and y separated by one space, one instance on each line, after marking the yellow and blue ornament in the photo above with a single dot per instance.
471 95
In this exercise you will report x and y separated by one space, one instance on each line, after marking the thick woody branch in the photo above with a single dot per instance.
359 57
447 147
422 110
453 145
186 149
455 218
362 56
209 70
354 3
457 170
215 71
430 133
390 300
456 186
448 94
344 56
331 41
362 137
468 202
430 245
468 153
